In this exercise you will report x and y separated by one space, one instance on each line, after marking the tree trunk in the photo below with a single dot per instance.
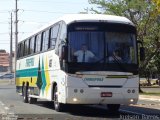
143 66
148 80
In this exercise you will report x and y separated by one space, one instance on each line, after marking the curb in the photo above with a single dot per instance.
149 97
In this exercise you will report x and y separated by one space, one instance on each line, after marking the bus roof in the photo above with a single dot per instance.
69 18
95 17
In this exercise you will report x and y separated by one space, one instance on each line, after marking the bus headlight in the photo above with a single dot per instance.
75 99
131 100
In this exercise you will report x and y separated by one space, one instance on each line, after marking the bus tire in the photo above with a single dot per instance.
32 100
113 107
23 90
25 94
59 107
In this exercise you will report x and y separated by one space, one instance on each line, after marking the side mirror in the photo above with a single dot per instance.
142 54
64 53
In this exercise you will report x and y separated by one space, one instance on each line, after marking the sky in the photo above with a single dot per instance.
33 14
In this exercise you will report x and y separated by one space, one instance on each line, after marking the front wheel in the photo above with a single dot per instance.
59 107
113 107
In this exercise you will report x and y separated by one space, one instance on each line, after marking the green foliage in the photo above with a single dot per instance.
144 14
132 9
157 62
157 4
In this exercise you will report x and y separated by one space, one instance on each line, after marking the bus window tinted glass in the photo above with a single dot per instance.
32 45
110 44
18 53
21 49
121 47
38 43
45 40
54 34
26 47
92 42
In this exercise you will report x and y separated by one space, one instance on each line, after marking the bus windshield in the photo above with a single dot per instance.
102 47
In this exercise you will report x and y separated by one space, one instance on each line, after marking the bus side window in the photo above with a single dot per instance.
31 48
38 43
26 47
22 49
54 35
45 40
20 45
62 39
18 51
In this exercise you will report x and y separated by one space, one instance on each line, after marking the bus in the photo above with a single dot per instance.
48 66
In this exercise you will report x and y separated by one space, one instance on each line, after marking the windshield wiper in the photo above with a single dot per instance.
115 61
119 63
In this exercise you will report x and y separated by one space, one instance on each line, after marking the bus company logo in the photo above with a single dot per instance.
30 62
93 79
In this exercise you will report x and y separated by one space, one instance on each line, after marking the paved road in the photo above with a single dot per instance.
11 105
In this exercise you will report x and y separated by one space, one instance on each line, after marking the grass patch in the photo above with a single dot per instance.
153 86
151 93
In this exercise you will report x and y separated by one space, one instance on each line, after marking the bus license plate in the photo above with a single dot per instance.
106 94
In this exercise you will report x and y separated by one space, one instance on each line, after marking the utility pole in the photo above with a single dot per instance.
16 37
11 39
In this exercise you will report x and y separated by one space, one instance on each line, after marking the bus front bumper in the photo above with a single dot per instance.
97 95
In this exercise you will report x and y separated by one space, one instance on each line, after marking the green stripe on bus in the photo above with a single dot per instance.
117 76
27 72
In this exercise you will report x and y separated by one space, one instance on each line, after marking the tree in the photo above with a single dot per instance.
157 63
144 14
157 4
150 71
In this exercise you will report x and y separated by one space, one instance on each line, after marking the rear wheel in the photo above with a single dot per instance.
59 107
113 107
25 94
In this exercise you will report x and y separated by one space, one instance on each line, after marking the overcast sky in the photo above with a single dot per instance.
33 14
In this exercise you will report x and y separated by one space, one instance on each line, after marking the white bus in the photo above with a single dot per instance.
49 64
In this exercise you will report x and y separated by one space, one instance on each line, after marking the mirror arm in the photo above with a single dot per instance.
140 42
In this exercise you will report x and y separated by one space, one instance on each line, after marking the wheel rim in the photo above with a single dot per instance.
24 93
